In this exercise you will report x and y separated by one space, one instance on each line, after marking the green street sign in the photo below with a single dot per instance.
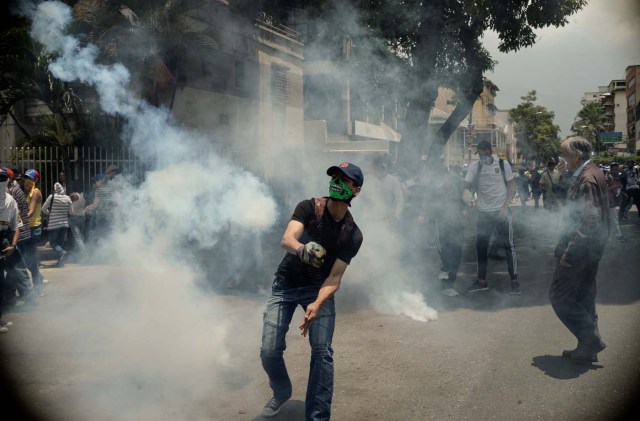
610 137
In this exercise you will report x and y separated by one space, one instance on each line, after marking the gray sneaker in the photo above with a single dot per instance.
515 288
272 408
477 286
62 258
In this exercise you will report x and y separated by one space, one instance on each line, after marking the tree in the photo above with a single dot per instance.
440 40
148 36
536 135
589 122
24 77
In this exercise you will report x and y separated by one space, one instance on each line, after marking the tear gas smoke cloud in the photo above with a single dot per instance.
222 192
386 270
158 335
155 331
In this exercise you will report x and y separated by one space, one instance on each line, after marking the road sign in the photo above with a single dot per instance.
610 137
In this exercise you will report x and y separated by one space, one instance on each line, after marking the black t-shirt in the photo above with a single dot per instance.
326 234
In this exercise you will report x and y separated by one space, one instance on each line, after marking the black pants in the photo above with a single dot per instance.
536 193
449 239
488 222
630 198
573 298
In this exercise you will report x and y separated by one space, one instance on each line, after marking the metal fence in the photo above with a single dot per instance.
81 164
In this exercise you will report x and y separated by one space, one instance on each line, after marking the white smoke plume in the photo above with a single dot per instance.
157 332
153 327
223 193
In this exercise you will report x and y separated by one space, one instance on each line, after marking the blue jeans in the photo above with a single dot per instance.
56 240
30 254
277 317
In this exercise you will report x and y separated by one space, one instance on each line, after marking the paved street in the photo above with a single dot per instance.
113 343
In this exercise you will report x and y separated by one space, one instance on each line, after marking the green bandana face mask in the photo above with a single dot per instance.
340 190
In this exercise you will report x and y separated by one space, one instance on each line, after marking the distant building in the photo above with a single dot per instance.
633 107
593 97
485 122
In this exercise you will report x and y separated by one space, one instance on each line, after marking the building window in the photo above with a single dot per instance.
279 84
240 80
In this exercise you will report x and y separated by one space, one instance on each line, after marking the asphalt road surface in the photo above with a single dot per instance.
97 347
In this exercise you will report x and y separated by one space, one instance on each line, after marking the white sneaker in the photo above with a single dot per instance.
450 292
443 275
4 329
45 281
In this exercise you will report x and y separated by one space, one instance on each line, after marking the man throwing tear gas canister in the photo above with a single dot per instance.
320 239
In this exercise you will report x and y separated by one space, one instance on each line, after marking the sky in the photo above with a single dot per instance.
595 47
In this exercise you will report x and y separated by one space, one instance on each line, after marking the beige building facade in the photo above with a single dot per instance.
485 122
632 79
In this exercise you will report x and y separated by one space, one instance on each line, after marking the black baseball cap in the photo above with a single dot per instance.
350 170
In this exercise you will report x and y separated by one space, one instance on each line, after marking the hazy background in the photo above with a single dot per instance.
594 48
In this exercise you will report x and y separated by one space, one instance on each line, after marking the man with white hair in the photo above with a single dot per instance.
581 245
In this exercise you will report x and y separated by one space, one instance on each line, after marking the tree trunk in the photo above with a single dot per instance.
461 111
424 86
469 90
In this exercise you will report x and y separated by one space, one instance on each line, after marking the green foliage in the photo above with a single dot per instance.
141 34
25 78
589 122
536 135
608 159
428 44
418 46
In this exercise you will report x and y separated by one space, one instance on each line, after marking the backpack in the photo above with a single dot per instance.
560 188
347 227
476 179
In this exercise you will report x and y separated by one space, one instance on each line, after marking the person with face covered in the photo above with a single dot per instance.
17 279
58 207
320 239
493 182
573 287
9 235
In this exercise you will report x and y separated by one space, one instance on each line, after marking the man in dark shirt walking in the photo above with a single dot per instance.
320 239
573 287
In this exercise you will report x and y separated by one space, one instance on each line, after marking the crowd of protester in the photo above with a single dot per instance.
68 222
76 220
